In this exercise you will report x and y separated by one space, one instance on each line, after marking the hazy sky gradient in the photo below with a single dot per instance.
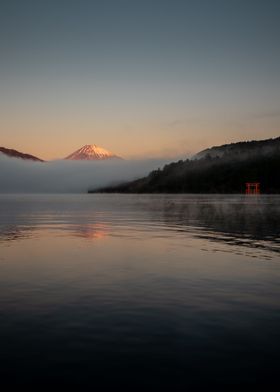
141 78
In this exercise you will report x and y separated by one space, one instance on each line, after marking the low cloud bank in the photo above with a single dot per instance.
17 175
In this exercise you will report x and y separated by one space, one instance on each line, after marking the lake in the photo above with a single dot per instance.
139 292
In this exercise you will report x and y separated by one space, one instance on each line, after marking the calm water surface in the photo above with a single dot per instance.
150 293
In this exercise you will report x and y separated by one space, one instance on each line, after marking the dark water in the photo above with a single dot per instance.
153 293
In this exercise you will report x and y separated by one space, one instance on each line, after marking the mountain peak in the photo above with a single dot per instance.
91 152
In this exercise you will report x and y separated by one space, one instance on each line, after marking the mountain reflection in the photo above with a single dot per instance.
90 231
87 231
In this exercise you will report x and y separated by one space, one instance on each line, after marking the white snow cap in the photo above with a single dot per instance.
91 152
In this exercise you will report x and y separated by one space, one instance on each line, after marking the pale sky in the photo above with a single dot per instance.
140 78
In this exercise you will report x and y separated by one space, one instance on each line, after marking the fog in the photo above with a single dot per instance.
17 175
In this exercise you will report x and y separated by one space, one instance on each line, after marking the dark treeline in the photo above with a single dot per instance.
225 174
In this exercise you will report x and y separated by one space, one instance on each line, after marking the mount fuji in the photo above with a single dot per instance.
91 152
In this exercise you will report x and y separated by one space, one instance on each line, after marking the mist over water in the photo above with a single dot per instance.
63 176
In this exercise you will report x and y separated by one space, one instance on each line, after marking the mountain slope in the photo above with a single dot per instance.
16 154
92 152
223 174
242 149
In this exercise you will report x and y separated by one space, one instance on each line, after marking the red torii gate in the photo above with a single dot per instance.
253 188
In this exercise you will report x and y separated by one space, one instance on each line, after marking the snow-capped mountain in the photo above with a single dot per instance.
16 154
92 152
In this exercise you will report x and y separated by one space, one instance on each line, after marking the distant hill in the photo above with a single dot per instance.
210 172
16 154
242 149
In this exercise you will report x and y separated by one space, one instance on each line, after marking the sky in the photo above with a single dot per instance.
144 79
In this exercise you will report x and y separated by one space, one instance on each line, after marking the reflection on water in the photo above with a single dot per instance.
150 292
250 221
243 221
